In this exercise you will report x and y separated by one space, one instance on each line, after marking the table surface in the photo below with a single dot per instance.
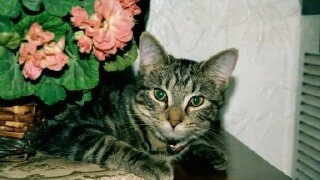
244 164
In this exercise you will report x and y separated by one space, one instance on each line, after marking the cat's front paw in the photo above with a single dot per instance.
218 160
204 157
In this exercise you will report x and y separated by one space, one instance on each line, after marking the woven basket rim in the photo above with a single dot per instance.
19 109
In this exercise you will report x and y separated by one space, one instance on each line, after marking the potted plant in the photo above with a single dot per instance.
49 49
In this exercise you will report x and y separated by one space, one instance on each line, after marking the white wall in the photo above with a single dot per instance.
261 108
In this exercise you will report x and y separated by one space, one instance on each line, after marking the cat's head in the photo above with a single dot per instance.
178 98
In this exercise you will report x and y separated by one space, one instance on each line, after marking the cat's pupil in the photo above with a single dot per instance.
196 101
160 95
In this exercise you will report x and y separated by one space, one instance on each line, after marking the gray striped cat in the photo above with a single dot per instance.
144 127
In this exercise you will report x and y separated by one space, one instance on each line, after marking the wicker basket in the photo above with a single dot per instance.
18 131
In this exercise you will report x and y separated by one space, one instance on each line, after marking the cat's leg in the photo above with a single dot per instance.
119 155
202 156
89 142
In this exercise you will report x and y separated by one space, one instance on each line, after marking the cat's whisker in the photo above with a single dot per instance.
219 139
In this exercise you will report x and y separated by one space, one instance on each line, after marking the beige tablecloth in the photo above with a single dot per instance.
49 167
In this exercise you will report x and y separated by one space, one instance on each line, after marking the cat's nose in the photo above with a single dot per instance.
175 115
174 123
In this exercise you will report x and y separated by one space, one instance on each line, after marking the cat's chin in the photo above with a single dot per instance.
173 135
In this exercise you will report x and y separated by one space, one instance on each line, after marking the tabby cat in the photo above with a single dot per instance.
161 118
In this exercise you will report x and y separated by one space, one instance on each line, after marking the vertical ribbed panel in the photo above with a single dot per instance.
308 162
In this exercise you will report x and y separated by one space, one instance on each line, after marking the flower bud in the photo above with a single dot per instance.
78 35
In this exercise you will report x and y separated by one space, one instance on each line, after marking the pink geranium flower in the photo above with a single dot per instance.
30 71
26 52
79 16
37 35
85 44
54 58
131 6
41 52
110 27
99 54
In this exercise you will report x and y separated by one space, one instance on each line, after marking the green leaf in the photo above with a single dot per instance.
10 8
57 26
59 8
14 41
48 22
86 97
33 5
5 24
124 61
81 73
88 6
8 37
3 50
50 92
12 83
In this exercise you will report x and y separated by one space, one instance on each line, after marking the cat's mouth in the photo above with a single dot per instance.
174 136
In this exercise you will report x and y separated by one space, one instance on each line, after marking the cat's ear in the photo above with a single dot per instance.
151 52
220 67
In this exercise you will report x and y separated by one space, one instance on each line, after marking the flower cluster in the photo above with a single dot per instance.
41 52
49 50
109 28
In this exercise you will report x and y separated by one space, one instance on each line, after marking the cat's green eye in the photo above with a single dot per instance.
196 101
160 95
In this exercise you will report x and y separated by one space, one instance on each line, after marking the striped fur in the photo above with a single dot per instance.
127 127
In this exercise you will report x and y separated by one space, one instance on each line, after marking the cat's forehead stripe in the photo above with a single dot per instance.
182 71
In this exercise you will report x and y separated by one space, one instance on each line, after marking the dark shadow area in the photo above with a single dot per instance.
244 164
228 93
141 19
